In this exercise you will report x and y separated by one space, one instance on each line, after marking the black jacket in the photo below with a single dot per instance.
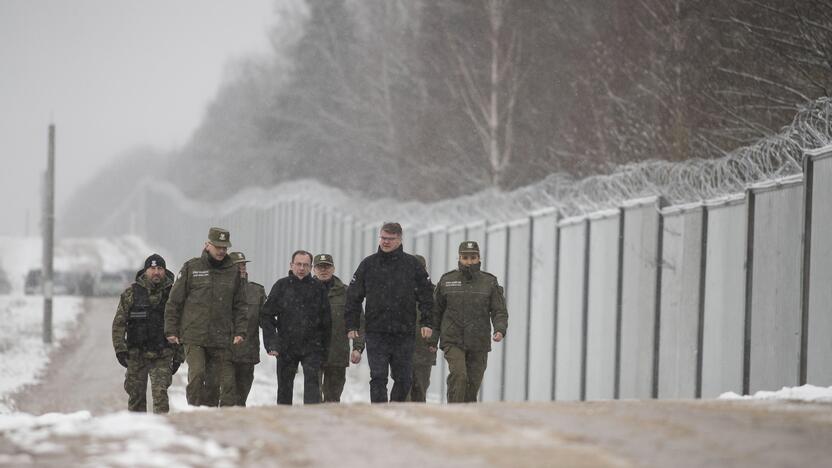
392 283
296 318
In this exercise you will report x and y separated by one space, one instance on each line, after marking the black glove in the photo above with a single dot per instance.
174 366
122 358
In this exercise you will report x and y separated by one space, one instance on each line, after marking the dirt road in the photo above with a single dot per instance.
83 373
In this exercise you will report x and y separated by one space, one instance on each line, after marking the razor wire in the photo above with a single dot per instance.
690 181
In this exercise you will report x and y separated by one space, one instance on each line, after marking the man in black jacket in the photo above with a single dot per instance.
393 282
296 323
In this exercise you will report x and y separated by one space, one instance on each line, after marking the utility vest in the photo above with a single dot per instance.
146 322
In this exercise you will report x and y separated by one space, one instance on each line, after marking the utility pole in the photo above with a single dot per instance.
48 237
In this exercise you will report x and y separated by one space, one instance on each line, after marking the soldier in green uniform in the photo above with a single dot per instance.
469 302
424 357
334 369
206 312
245 355
139 337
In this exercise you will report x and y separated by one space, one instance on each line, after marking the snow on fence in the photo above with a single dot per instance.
615 297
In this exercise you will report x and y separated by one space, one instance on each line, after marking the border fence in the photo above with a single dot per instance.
641 301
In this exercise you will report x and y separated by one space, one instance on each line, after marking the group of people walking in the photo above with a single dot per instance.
210 314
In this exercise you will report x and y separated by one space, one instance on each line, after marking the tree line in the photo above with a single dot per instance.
428 99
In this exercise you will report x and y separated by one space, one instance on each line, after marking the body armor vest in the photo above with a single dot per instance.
146 322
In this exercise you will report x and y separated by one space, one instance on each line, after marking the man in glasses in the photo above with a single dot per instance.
469 302
296 322
393 283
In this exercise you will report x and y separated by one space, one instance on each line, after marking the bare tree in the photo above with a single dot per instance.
488 86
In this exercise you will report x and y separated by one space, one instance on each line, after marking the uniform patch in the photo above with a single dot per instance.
200 274
451 284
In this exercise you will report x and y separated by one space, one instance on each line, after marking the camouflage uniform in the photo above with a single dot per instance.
246 355
207 307
423 358
468 302
154 359
334 372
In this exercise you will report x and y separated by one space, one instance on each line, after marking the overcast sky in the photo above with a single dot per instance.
112 75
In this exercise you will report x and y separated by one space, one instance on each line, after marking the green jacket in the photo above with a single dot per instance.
207 304
126 302
249 350
339 345
422 356
468 302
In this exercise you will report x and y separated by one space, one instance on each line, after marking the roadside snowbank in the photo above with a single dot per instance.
802 393
117 439
23 355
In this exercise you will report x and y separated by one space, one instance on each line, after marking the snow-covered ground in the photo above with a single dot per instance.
23 354
117 439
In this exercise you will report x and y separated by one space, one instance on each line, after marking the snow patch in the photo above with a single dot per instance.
803 393
117 439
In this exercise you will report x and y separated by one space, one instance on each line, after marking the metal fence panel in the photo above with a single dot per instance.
476 232
515 372
456 236
436 268
602 305
680 302
543 262
571 309
495 257
776 287
639 303
371 233
357 251
819 320
724 312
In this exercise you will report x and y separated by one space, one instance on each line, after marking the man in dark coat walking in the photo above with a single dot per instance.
296 321
392 282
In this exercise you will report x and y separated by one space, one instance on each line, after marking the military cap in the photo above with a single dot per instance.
469 247
219 237
325 259
238 257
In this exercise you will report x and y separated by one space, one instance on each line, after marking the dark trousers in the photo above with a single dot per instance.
287 367
243 378
421 382
333 379
393 351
